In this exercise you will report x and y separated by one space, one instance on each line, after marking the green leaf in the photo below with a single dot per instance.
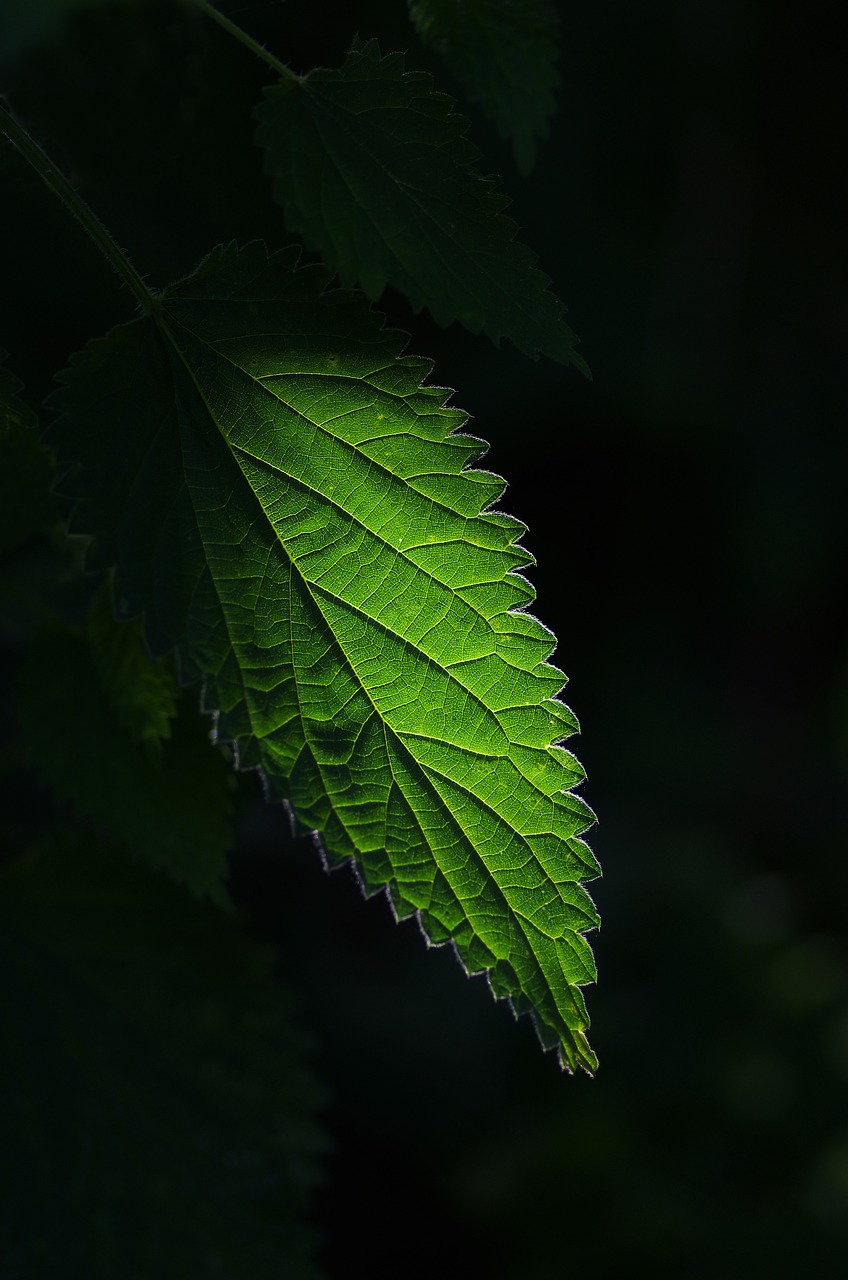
26 468
292 507
504 52
156 1117
373 169
171 807
141 689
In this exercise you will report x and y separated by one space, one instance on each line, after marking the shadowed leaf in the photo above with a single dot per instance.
503 52
155 1115
26 467
141 689
373 168
171 807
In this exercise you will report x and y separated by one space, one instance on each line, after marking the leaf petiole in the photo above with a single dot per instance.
249 43
74 203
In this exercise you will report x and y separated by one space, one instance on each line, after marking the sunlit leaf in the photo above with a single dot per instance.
293 508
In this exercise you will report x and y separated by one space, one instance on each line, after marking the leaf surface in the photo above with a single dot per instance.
504 53
171 806
292 507
156 1114
373 169
26 468
141 689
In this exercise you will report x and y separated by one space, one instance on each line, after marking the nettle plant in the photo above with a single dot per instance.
271 501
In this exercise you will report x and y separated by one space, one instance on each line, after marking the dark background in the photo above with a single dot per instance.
687 511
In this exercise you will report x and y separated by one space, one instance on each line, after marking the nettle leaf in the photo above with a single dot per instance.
26 467
142 690
293 508
374 171
504 53
171 807
156 1112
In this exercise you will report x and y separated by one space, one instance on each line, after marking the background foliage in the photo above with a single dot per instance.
687 511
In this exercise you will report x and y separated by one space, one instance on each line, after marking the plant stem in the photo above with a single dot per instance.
74 203
253 45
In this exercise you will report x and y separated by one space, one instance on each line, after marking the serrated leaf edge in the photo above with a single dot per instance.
584 1057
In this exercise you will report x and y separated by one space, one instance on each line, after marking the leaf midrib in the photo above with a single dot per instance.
311 586
384 470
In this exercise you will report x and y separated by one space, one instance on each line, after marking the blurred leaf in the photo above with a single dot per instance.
293 508
26 467
504 52
24 23
156 1120
173 809
373 169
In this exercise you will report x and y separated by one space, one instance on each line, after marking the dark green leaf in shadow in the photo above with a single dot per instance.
141 689
26 467
156 1117
373 168
504 53
171 807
